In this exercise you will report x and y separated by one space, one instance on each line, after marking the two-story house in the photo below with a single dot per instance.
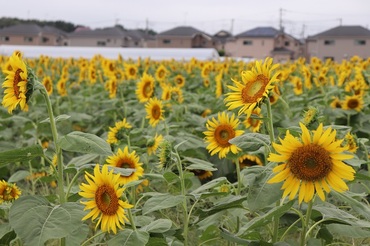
261 42
184 37
32 34
341 42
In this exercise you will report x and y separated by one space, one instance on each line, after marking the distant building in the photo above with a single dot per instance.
261 42
184 37
32 34
341 42
221 39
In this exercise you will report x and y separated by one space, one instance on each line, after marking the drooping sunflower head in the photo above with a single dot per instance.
202 174
254 87
18 83
153 144
249 160
336 103
219 132
165 154
103 193
145 88
350 142
118 132
311 164
8 191
154 110
126 159
310 116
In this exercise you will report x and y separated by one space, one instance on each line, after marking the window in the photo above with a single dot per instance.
329 42
247 42
166 41
45 39
28 39
360 42
101 43
6 38
328 58
286 43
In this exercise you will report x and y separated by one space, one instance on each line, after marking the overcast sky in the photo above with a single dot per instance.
299 18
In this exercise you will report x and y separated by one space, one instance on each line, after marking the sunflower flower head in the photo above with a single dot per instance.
127 160
18 84
165 153
311 164
8 192
219 132
255 86
350 142
310 116
118 132
103 193
153 143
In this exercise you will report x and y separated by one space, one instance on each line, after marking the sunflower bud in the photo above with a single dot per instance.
164 154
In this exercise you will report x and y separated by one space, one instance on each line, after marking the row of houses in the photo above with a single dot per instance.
338 43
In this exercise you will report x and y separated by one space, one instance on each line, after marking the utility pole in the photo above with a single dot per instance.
146 25
340 21
232 26
303 29
281 19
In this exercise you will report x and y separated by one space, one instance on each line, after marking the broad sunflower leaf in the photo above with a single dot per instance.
199 164
158 226
84 143
348 231
251 141
129 237
22 154
18 175
359 207
161 201
229 203
48 221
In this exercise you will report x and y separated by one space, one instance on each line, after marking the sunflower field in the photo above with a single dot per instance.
142 152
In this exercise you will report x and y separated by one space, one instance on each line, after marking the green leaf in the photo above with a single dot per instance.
266 218
209 185
18 175
158 226
359 207
58 118
129 237
225 234
23 154
82 160
84 143
4 229
349 231
251 141
35 220
260 193
198 164
230 202
161 201
171 177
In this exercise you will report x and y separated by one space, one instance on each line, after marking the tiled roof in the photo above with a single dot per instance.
105 32
182 31
344 31
29 29
137 34
259 32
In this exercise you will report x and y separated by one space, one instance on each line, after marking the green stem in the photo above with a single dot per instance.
55 138
237 164
72 182
91 238
306 223
270 124
131 218
184 204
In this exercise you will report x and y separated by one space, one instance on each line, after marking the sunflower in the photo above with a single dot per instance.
161 73
219 132
249 160
176 94
61 87
353 102
131 71
48 84
202 174
124 159
15 84
115 133
206 112
154 110
336 103
311 164
180 80
103 193
153 144
164 154
253 123
8 191
255 86
145 88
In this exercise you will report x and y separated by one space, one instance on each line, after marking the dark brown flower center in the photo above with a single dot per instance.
156 112
310 162
254 90
17 79
353 103
223 134
106 200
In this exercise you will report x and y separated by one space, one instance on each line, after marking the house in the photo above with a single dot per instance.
184 37
261 42
32 34
341 42
221 38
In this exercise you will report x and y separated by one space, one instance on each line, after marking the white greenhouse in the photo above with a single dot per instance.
112 53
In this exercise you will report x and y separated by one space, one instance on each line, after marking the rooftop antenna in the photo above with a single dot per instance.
281 19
